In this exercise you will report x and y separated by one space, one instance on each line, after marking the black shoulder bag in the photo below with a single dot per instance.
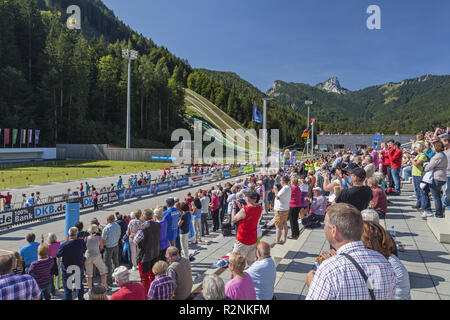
363 274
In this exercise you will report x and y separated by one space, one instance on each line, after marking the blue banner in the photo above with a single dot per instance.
226 173
72 215
256 114
183 182
162 186
168 158
126 194
49 209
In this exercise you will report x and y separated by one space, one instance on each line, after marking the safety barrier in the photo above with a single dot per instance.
43 211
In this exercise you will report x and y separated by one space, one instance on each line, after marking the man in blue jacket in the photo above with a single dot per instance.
172 216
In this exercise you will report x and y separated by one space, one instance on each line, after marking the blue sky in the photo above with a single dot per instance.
304 41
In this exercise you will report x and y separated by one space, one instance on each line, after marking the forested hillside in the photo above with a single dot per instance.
408 107
72 85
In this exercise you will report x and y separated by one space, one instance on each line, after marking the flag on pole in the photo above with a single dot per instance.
256 115
23 136
6 139
30 135
36 136
14 137
305 134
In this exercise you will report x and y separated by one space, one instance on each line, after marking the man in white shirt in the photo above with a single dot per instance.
281 208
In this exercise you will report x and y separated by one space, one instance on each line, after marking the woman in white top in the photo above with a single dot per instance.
281 208
132 230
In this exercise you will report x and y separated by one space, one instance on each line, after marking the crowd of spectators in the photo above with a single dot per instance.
347 192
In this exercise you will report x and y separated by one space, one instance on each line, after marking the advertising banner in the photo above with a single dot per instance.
234 171
113 196
49 209
162 186
183 182
142 191
208 176
126 194
89 201
167 158
249 169
6 219
226 173
16 216
196 179
23 215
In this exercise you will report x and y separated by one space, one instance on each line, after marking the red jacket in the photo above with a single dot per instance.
395 158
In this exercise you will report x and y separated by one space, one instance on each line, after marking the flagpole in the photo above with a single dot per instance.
265 133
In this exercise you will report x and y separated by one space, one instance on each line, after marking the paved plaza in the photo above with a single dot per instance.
427 260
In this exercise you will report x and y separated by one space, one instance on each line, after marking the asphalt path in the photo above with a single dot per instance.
58 188
13 239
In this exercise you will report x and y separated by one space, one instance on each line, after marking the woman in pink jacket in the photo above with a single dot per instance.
295 205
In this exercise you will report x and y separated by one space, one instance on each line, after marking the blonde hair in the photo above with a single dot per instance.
159 212
238 261
160 267
336 190
294 181
43 250
93 228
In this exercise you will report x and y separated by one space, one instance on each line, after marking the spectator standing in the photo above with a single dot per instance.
41 271
204 218
215 206
247 234
171 215
111 236
16 287
369 166
128 290
180 272
263 273
282 199
446 193
417 173
184 225
133 228
344 276
163 287
53 246
438 164
197 216
395 158
94 245
240 286
163 241
294 208
29 252
72 254
147 239
81 234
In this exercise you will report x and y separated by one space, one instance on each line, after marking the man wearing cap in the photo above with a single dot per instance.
172 216
248 217
358 195
128 290
147 240
318 207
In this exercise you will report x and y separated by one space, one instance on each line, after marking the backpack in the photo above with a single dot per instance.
226 229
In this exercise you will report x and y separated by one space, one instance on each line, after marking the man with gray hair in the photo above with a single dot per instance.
354 272
111 237
370 215
263 272
72 254
213 288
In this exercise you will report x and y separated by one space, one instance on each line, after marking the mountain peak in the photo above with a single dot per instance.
332 85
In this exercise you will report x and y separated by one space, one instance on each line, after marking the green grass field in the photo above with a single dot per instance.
16 176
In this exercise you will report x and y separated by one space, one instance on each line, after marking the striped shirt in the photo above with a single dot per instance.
338 279
162 288
18 287
40 270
